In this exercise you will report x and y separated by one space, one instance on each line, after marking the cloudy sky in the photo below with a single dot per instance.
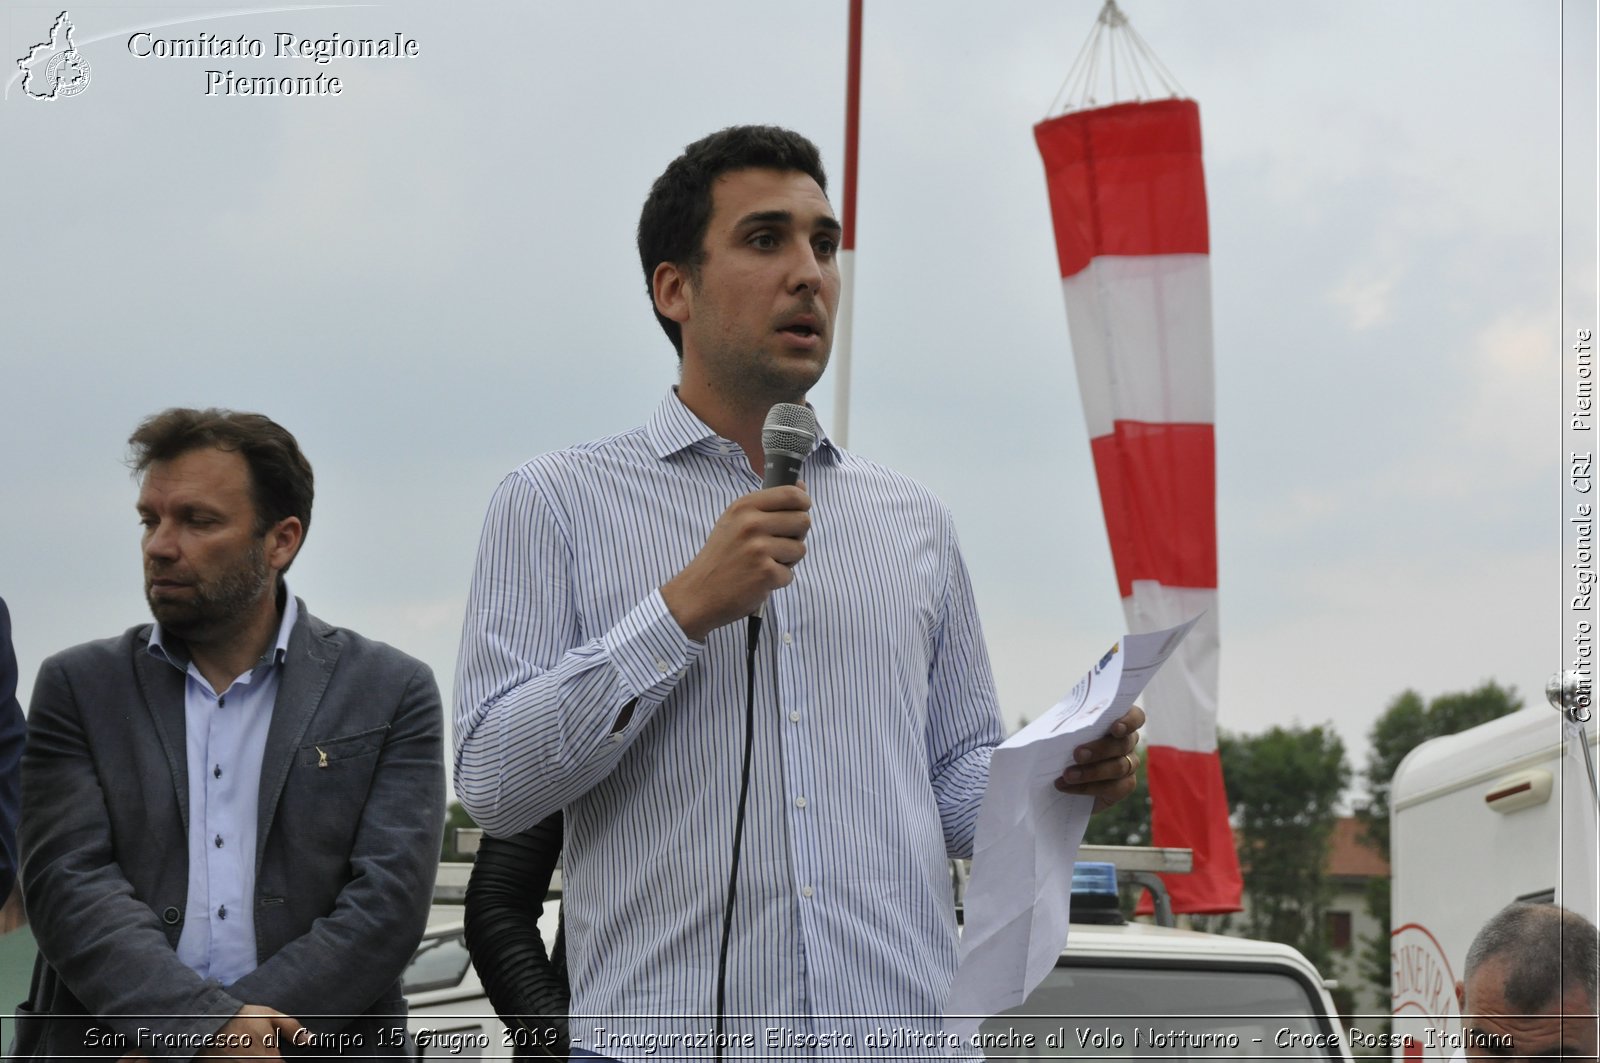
431 277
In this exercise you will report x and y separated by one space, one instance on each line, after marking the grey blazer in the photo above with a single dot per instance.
351 814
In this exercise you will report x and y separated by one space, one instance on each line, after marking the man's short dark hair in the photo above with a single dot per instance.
1546 950
280 476
672 226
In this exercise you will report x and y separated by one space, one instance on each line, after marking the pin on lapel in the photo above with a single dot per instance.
322 758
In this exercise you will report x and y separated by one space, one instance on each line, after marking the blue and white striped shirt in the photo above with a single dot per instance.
875 719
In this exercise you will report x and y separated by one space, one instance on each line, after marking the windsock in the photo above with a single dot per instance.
1128 198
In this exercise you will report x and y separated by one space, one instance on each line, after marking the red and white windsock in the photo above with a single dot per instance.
1128 198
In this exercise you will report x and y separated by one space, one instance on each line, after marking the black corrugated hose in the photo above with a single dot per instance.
505 896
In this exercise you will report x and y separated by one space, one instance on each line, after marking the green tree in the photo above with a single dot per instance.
1125 823
1404 725
1283 787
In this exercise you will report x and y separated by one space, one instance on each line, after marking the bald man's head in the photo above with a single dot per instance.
1529 986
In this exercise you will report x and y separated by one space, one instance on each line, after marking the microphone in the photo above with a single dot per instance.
787 436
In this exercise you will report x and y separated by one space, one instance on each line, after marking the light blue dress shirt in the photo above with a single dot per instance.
875 720
227 739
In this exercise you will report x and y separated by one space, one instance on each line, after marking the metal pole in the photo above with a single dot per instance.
840 432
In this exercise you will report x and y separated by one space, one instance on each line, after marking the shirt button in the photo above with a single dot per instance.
219 841
222 912
216 772
806 891
661 666
799 802
221 701
788 639
794 717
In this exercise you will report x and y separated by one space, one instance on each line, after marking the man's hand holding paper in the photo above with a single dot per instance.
1019 899
1105 769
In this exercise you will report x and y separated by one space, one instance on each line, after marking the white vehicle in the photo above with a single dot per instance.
450 1014
1498 813
451 1017
1149 991
1118 991
1122 990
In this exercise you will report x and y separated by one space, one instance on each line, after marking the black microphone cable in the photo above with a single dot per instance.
787 437
752 637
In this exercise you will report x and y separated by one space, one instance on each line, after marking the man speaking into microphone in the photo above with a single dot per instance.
605 666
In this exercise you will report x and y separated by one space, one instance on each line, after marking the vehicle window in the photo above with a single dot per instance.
439 963
1144 1013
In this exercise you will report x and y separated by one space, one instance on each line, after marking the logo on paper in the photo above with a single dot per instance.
54 68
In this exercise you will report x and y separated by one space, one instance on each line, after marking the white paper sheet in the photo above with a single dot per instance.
1020 895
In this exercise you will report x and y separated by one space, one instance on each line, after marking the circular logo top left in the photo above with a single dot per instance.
54 69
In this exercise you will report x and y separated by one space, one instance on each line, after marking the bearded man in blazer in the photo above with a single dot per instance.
231 818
